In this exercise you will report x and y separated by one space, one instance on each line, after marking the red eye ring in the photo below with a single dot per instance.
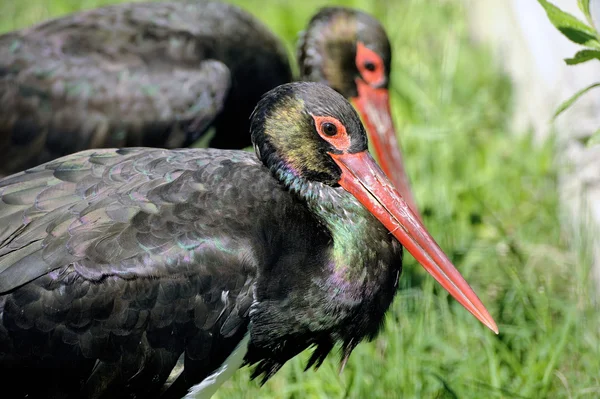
337 137
370 65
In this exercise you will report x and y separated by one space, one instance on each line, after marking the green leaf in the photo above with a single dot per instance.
573 98
570 26
583 56
594 139
584 6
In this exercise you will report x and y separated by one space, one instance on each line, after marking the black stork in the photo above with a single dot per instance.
161 74
114 263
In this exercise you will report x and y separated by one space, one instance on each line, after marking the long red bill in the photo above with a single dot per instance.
363 178
373 104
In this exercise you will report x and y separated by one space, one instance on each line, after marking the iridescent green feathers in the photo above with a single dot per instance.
285 136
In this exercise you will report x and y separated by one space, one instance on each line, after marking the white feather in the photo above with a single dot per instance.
210 384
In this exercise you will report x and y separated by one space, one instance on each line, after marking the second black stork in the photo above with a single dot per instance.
114 264
161 74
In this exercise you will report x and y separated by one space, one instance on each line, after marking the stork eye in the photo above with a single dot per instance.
333 131
369 66
329 129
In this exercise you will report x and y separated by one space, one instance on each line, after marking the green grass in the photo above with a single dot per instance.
490 199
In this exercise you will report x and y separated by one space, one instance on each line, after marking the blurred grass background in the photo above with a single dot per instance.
489 198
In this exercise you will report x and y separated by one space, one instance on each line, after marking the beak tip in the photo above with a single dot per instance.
494 328
491 324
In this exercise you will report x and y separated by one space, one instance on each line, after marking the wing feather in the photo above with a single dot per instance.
111 256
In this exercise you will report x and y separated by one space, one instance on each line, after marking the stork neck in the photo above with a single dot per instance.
356 234
357 237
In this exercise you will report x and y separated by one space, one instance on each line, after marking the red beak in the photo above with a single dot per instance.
363 178
373 104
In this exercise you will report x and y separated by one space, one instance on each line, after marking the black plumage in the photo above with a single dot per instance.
116 263
104 249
